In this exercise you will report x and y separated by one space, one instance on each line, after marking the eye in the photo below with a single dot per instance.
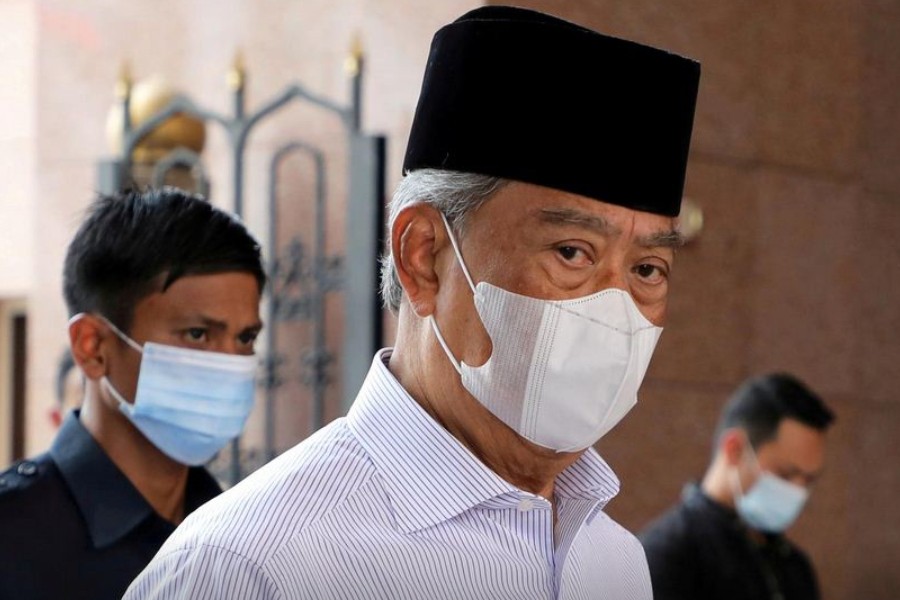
651 273
248 338
574 255
196 335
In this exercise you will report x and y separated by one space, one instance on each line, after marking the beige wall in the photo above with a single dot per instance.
17 142
794 162
17 103
192 44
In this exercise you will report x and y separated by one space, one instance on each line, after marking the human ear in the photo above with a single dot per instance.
55 416
416 236
89 339
732 445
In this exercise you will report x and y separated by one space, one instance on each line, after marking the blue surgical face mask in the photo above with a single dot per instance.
189 403
772 504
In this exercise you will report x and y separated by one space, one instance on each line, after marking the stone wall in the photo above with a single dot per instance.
794 162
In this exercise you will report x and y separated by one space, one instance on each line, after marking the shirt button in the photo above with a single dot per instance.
525 505
27 469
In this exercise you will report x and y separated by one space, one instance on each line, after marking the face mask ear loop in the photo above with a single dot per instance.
749 446
459 257
104 381
437 333
736 492
122 335
736 487
114 392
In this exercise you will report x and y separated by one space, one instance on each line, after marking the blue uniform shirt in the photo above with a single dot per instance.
72 524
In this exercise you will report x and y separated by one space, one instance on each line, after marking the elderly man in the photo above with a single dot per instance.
531 244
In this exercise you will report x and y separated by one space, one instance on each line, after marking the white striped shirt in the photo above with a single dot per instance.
385 503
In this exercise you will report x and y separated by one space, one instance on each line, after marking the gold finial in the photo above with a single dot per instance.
148 97
354 60
237 75
690 221
123 84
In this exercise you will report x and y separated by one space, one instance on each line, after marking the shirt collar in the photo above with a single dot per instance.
431 476
110 505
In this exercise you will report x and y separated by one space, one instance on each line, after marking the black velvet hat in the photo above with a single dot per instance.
518 94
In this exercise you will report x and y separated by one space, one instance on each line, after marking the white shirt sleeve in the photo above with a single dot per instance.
203 573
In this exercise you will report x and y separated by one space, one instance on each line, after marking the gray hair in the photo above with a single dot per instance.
453 193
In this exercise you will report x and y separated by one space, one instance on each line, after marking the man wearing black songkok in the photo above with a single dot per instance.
531 242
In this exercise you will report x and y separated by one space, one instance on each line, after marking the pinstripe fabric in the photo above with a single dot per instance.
385 503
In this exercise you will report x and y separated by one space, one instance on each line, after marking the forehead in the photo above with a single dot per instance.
795 444
521 202
228 296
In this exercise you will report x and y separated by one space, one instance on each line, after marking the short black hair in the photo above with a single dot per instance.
760 404
129 240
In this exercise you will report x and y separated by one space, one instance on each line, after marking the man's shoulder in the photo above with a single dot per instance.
610 533
26 481
670 528
275 504
35 508
789 549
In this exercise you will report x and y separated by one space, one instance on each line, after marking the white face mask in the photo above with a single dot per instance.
562 373
772 504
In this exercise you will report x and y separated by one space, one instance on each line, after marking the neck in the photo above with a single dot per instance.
717 484
516 460
159 479
438 390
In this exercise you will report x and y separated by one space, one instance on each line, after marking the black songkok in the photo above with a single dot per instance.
518 94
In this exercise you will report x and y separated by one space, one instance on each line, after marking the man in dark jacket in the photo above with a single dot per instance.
163 293
725 538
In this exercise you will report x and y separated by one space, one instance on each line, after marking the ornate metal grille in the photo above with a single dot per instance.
302 274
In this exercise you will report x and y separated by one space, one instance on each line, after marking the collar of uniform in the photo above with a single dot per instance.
694 496
110 505
432 477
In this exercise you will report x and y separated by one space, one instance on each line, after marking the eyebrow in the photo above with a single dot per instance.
809 475
222 325
567 216
663 239
671 238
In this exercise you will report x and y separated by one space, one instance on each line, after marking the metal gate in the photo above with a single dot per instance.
302 275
